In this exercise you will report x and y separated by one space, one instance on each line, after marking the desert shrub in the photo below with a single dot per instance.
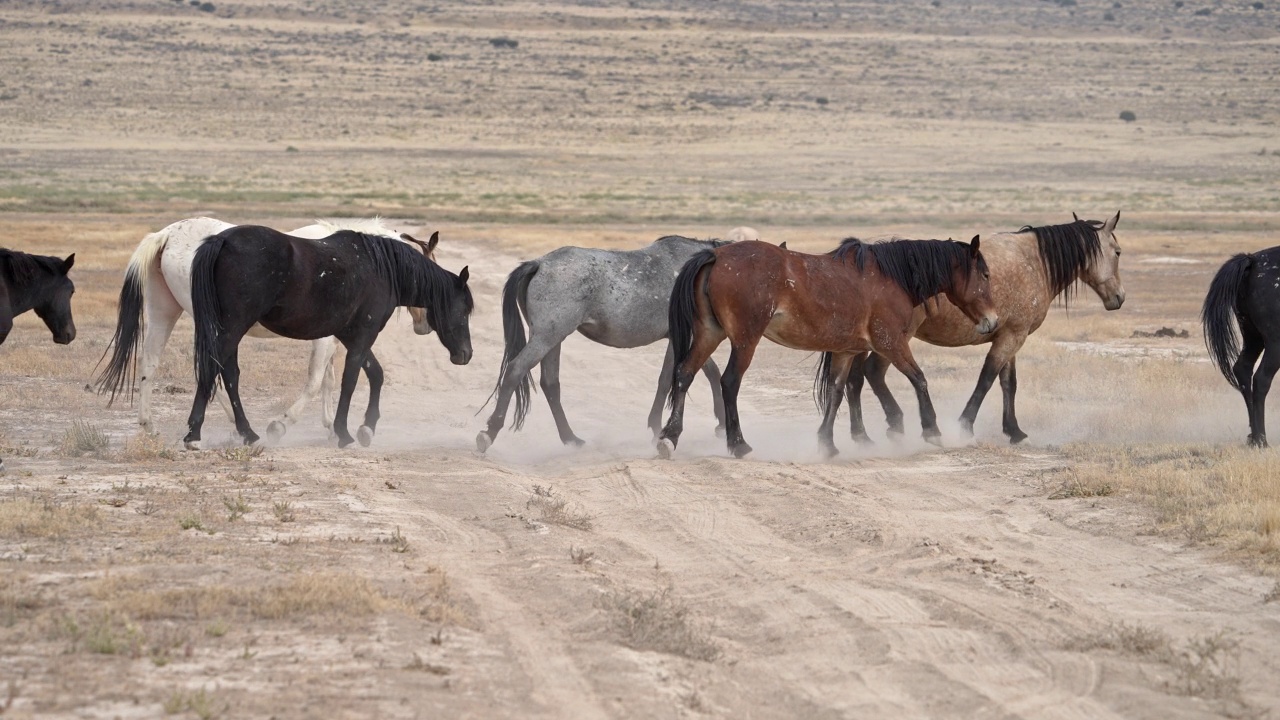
1128 116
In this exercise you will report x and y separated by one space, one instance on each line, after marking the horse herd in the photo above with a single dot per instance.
859 305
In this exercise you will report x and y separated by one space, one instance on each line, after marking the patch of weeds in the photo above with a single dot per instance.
241 453
217 629
693 701
43 516
200 703
557 511
1208 667
580 556
192 522
1137 640
7 450
83 438
146 446
237 507
398 542
658 621
283 510
1077 486
147 508
417 663
1273 595
111 634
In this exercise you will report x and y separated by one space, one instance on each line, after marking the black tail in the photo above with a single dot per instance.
120 373
683 309
822 385
1221 307
514 295
206 309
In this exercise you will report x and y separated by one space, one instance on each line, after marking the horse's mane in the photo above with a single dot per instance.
21 268
1065 251
411 274
364 226
923 268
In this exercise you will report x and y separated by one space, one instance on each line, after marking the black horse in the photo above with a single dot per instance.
346 285
1246 288
40 283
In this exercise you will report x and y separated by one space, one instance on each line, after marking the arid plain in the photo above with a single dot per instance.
1123 562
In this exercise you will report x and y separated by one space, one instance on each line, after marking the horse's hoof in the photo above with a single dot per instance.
1016 437
933 438
574 441
345 441
251 438
741 449
191 444
483 441
966 426
276 430
1258 441
828 451
895 434
364 435
666 448
864 440
720 431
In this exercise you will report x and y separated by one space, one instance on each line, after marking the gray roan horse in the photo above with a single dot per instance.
616 298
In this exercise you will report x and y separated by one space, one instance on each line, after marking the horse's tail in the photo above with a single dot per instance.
121 371
1221 307
682 310
206 309
514 296
822 383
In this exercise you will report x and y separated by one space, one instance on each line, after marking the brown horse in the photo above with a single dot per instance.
1029 269
856 299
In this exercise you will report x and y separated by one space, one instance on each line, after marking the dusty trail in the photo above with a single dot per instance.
932 584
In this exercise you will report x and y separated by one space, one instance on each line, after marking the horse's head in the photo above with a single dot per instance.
450 318
52 300
971 289
1103 271
421 325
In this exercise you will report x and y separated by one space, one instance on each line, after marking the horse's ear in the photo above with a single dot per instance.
973 245
465 274
1075 217
782 245
66 264
435 240
1110 225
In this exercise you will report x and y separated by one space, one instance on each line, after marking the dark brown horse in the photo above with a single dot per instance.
854 300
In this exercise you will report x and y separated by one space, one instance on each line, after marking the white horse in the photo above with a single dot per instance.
157 290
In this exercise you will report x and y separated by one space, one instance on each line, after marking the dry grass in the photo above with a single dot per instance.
83 438
45 516
658 621
556 510
146 447
1223 495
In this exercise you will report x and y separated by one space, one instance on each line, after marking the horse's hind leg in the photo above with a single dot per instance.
1261 386
549 379
837 375
717 394
1243 370
231 381
853 388
875 369
321 354
706 338
161 313
1009 386
373 371
664 389
739 361
517 371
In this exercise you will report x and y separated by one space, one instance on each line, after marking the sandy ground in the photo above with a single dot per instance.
902 582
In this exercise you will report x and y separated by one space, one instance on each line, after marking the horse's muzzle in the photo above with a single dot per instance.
65 338
1114 302
987 325
460 358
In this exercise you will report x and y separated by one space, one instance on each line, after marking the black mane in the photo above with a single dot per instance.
21 268
1066 251
413 275
923 268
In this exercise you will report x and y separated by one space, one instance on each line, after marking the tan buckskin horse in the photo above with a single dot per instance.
1029 268
853 300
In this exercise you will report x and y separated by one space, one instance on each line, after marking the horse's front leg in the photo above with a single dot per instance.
372 371
903 360
350 374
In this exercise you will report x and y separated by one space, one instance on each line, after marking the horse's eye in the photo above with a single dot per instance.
1117 252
